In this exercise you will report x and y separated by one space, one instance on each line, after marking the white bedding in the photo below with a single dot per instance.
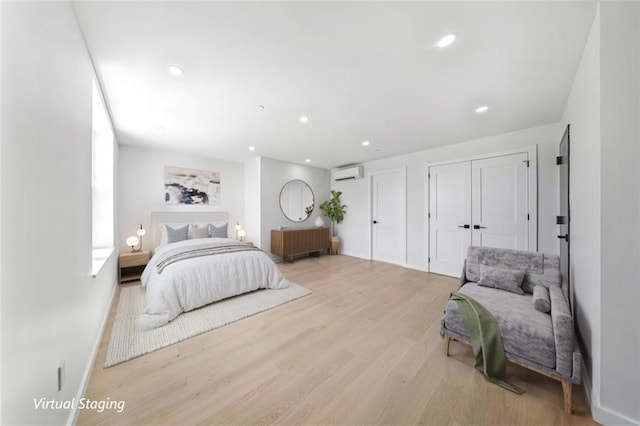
194 282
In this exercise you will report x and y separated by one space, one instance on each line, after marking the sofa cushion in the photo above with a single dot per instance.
525 331
503 279
540 269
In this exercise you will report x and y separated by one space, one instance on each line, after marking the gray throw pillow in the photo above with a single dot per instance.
503 279
541 299
179 234
218 231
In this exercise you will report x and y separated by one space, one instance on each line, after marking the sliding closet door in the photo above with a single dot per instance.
449 217
500 202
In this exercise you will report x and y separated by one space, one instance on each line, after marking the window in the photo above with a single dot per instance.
102 182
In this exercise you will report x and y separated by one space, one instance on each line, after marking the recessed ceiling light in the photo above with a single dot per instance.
447 40
176 70
482 108
308 160
365 143
304 119
252 148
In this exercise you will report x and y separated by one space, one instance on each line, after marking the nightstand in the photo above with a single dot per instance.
131 265
249 243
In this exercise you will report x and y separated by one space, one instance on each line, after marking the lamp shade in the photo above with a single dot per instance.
132 241
241 233
141 232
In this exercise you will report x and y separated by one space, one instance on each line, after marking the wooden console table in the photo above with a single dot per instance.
294 241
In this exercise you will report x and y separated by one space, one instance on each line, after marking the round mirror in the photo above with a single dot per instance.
296 200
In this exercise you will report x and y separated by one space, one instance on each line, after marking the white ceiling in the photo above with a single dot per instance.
358 70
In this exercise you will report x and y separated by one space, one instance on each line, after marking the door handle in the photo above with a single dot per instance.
564 237
465 226
479 227
375 221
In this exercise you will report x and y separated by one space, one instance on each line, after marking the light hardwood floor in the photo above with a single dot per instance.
364 348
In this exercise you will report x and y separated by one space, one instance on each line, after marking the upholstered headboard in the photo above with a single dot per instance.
183 217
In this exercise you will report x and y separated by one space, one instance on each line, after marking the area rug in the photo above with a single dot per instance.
126 343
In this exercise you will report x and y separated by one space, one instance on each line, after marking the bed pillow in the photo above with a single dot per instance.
196 231
503 279
541 299
206 224
218 231
177 234
163 230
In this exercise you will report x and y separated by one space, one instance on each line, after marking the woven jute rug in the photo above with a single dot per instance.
127 343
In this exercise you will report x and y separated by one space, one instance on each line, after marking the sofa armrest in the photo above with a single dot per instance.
577 364
562 332
463 275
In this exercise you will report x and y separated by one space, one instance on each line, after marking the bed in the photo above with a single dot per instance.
187 273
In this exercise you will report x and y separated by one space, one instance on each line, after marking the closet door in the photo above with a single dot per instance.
500 202
483 202
449 217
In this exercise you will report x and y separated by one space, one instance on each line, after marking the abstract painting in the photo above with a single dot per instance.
188 186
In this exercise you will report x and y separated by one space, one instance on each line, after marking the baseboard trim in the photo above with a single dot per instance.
422 268
605 416
359 256
608 417
84 383
598 412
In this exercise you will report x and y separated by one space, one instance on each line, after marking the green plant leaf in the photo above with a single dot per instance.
333 207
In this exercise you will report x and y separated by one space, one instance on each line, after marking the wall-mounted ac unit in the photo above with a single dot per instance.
356 172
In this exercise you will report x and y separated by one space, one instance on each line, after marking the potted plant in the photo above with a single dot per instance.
335 211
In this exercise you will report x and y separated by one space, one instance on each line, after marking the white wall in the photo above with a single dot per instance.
252 187
141 189
51 309
620 226
603 110
355 228
273 175
1 117
582 112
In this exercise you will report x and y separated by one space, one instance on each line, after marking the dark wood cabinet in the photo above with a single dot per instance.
295 241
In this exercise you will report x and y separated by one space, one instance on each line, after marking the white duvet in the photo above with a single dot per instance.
194 282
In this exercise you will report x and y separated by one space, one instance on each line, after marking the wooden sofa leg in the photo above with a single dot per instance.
447 340
566 390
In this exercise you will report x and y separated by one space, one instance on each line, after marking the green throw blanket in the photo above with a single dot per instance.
486 341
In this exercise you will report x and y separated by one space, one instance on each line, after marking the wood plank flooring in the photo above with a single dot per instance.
364 348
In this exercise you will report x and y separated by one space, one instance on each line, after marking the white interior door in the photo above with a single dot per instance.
449 217
500 202
388 214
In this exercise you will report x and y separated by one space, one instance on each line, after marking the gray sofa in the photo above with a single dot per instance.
542 342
